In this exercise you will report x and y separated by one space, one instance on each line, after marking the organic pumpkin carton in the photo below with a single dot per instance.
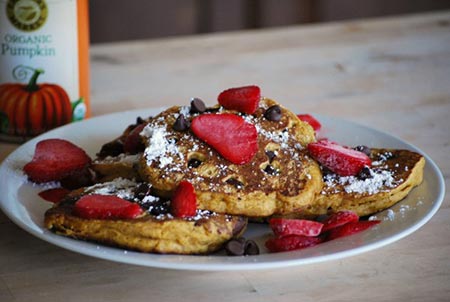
44 76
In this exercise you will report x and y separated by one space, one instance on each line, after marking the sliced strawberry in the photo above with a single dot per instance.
133 143
351 228
54 195
97 206
310 120
338 219
339 159
243 99
291 242
229 134
55 159
184 201
283 227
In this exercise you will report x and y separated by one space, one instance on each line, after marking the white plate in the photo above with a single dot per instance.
20 202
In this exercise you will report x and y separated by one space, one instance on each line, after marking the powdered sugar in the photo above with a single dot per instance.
185 110
280 137
250 119
390 214
398 212
371 185
379 181
149 199
160 147
47 185
382 158
120 187
200 214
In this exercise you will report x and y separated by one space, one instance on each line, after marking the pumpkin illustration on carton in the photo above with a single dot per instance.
27 110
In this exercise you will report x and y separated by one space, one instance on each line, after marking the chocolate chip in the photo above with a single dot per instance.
273 113
157 210
142 190
241 246
69 200
157 206
269 169
139 120
113 148
235 247
213 109
365 173
181 124
271 155
194 163
235 182
78 179
251 248
160 207
197 106
364 149
326 171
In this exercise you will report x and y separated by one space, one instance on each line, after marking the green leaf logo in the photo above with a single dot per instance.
78 110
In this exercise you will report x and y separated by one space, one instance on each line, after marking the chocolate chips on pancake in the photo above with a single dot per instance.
273 113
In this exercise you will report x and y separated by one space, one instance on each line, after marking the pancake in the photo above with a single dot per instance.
394 173
114 161
111 167
155 231
281 178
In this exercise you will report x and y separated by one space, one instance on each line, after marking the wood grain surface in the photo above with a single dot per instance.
392 74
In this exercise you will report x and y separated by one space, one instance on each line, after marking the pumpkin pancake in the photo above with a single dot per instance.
155 231
111 167
281 177
114 161
394 173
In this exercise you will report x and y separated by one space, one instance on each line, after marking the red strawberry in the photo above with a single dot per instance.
310 120
291 242
133 143
97 206
54 195
229 134
338 219
351 228
243 99
55 159
339 159
184 201
284 227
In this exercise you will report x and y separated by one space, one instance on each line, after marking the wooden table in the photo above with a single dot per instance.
392 74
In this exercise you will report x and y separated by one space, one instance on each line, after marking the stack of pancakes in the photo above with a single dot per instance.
281 180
